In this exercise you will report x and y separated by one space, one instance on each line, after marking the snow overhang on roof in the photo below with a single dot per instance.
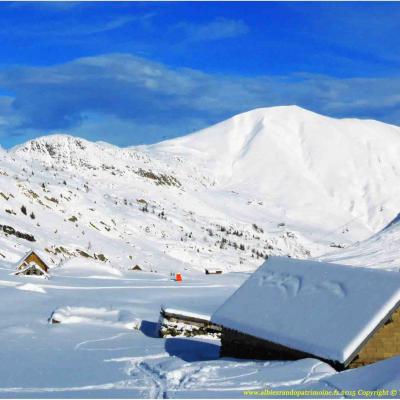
327 310
185 313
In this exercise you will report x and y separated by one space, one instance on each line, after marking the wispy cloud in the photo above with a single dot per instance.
144 101
51 5
105 26
69 26
219 28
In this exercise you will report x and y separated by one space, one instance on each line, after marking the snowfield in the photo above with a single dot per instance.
106 343
277 181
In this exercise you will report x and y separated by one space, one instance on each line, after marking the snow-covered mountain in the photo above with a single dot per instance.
279 180
381 250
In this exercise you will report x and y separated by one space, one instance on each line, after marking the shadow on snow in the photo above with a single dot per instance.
149 329
190 350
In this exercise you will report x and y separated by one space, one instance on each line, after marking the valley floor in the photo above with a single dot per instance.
95 353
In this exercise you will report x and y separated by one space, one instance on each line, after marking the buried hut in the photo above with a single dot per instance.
32 264
291 309
213 271
177 322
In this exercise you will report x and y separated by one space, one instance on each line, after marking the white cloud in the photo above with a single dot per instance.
141 100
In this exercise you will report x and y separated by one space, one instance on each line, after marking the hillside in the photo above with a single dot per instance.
381 250
282 181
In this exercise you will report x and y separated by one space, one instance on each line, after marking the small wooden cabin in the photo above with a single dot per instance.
32 264
213 271
174 322
292 309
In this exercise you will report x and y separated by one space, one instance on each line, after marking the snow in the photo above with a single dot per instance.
323 309
96 316
305 164
381 250
31 287
40 254
275 181
100 357
176 311
380 376
278 181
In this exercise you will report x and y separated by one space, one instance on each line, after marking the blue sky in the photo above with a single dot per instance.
132 72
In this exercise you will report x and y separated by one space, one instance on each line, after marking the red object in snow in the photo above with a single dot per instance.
178 277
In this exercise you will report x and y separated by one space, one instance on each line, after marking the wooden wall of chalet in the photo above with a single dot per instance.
34 258
385 343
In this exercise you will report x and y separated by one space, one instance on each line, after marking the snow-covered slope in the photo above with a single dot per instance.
282 181
381 250
303 161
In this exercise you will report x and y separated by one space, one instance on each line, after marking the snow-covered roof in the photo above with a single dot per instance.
324 309
43 256
31 265
185 313
213 270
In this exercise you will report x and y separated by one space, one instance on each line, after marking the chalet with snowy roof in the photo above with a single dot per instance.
291 309
32 264
213 271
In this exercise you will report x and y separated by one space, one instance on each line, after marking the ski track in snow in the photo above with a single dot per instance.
157 386
81 344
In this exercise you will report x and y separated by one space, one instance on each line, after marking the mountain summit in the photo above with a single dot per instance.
280 180
299 159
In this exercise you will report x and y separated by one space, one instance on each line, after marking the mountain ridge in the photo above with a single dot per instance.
287 108
281 180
